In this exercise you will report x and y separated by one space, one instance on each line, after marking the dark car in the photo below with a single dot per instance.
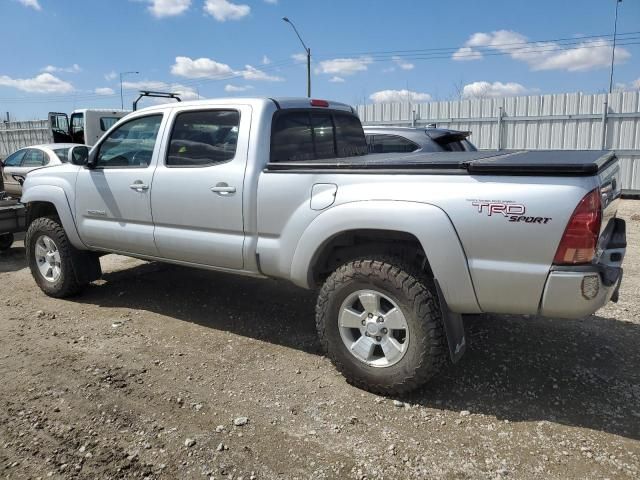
416 139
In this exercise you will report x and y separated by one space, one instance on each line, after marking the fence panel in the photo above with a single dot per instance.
565 121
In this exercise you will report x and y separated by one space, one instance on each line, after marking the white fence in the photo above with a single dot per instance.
568 121
16 135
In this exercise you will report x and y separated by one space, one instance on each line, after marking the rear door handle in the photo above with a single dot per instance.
139 186
223 189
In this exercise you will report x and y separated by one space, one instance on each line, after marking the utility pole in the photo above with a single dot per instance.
122 74
613 51
306 49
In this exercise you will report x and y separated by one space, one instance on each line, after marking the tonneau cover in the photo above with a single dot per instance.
525 162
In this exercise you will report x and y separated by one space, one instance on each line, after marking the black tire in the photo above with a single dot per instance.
416 297
6 241
67 283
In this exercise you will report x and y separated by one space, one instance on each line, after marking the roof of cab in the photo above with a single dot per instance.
279 102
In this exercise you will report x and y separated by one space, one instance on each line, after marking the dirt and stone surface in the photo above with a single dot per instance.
165 372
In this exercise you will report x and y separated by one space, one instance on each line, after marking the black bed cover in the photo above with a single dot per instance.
522 162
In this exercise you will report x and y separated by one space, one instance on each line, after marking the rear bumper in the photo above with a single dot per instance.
578 291
576 294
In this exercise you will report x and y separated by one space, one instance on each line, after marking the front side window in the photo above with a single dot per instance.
15 159
311 135
390 144
77 127
203 138
130 145
107 122
34 158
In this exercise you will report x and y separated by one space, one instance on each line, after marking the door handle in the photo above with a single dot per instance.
223 189
139 186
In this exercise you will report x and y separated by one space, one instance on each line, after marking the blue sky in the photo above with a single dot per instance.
57 55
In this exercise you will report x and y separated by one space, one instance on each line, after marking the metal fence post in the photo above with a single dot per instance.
603 139
500 114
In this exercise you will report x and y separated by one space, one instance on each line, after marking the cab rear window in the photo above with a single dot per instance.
302 135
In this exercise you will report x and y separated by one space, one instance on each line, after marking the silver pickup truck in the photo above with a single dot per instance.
399 246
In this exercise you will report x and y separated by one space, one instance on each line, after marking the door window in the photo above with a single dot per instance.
77 127
131 144
203 138
107 122
15 159
35 158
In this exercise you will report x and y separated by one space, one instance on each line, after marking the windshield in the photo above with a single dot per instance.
62 153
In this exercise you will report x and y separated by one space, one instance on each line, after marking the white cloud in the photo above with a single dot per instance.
336 79
223 10
585 55
200 68
31 3
495 89
42 83
466 54
186 93
252 73
272 2
403 64
344 66
75 68
168 8
625 87
110 76
266 60
237 88
104 91
299 57
390 96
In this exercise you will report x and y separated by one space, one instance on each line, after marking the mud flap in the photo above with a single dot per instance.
86 266
453 327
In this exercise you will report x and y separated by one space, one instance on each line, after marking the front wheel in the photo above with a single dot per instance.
51 258
381 325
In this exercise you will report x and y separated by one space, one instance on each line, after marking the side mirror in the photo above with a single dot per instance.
78 155
92 160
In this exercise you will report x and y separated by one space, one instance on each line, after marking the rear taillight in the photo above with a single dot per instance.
319 103
578 244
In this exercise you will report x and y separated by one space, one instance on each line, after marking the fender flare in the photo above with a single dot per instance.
428 223
56 196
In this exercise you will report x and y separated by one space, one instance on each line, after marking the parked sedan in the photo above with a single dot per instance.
416 139
16 166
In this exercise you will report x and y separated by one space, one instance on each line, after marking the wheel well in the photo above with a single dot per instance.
40 209
359 243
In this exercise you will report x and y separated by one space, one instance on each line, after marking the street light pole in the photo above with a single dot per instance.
306 49
613 51
122 74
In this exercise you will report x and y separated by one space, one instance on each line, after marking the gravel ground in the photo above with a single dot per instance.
159 371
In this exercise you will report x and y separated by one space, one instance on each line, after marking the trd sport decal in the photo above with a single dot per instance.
514 212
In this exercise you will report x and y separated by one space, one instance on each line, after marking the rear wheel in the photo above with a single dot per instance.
51 258
6 241
380 323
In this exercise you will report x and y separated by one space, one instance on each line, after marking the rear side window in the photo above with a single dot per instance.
15 159
390 144
311 135
35 158
203 138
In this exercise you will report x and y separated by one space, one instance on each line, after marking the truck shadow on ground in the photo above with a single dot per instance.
13 259
581 373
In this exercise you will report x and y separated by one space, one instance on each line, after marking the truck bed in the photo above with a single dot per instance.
525 162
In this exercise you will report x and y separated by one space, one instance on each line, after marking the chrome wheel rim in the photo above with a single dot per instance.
373 328
48 258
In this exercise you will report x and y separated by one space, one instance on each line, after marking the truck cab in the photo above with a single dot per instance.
85 126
